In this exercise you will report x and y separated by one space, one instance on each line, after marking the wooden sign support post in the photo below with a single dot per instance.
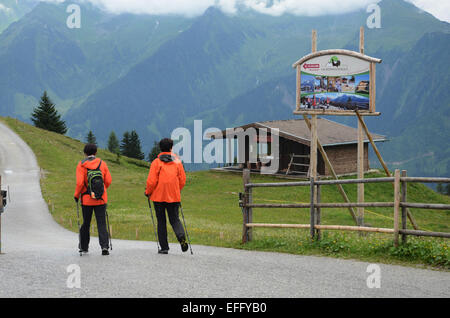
360 151
313 145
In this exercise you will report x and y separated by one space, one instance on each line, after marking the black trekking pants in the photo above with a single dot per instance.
172 212
100 215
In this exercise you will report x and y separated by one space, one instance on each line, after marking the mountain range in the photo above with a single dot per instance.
156 73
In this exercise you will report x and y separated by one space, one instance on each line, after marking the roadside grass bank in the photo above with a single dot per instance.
213 216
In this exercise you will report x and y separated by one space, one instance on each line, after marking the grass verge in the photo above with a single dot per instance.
210 202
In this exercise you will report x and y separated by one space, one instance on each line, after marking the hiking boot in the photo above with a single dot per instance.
163 251
105 251
184 245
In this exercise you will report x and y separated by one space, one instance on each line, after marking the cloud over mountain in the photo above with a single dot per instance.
198 7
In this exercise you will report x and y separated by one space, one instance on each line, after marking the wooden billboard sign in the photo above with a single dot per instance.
336 82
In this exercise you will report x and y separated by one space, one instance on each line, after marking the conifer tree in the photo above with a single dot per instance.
153 154
113 143
46 116
135 146
90 138
125 144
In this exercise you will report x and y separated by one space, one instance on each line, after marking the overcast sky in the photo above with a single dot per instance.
439 8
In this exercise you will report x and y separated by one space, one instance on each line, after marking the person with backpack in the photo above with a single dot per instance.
92 180
165 181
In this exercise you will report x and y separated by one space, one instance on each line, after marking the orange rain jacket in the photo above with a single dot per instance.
81 186
166 178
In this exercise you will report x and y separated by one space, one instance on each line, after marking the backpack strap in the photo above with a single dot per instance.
98 168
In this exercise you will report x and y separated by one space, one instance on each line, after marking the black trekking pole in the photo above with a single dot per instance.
153 221
79 229
109 229
185 228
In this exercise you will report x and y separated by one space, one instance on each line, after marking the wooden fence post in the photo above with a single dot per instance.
312 209
247 216
396 206
1 208
404 209
318 211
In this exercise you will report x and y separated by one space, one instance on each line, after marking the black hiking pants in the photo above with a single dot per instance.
100 215
173 213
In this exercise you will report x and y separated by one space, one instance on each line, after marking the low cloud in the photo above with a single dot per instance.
440 9
198 7
4 8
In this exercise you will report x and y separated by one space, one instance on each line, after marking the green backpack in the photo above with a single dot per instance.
95 185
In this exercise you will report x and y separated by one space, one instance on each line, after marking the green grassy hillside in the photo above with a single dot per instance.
210 201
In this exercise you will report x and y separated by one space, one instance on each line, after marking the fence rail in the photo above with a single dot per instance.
399 205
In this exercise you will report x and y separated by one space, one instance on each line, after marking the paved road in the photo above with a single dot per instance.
37 253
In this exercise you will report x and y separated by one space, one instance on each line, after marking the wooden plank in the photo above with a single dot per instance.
396 205
279 205
336 51
425 233
428 206
352 181
323 227
300 164
426 179
321 205
294 226
277 184
357 204
355 228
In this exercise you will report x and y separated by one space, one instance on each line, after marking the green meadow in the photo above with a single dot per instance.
213 216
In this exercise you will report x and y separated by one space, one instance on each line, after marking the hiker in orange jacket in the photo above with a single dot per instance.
89 203
165 181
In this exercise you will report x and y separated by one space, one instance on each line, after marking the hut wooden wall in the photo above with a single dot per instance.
344 159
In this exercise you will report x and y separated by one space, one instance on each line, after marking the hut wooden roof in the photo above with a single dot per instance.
330 133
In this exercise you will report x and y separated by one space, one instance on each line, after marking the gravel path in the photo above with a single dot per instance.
38 252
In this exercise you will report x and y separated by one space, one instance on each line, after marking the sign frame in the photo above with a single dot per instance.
341 52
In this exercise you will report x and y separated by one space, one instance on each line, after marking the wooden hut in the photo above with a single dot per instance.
339 141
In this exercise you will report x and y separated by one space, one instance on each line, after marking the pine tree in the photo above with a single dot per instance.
153 154
125 144
90 138
46 116
113 143
135 146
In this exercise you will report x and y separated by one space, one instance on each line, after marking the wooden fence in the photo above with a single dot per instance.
399 206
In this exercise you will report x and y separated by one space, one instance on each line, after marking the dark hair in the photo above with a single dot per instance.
90 149
166 144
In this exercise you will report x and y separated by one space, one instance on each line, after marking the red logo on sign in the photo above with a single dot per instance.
305 66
